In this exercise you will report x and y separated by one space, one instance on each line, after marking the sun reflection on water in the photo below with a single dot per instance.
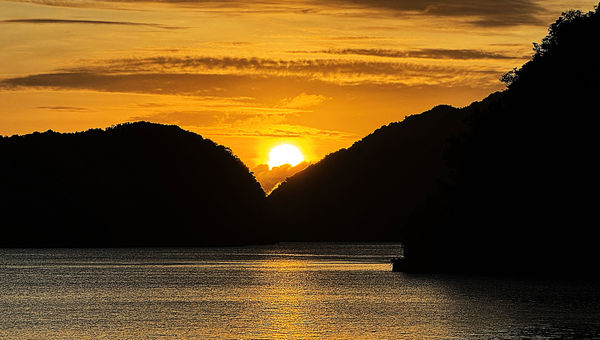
284 306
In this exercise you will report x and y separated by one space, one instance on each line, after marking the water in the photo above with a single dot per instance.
285 291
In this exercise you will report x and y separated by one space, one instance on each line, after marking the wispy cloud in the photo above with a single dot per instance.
184 118
213 76
224 115
304 100
63 108
287 131
84 22
331 70
209 76
351 38
428 53
477 12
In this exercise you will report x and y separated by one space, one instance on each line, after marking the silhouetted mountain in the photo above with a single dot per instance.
131 184
505 184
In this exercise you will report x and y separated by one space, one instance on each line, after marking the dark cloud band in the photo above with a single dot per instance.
198 75
460 54
305 67
482 12
85 22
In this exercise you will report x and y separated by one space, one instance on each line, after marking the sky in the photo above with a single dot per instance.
318 74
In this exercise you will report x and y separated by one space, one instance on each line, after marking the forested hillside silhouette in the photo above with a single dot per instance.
136 184
505 184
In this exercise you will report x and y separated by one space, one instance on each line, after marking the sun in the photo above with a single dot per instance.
285 154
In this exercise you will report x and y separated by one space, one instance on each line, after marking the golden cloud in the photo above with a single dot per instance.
304 100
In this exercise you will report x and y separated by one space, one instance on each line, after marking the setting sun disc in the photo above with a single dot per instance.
285 154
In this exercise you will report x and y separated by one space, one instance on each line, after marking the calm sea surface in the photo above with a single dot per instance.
283 291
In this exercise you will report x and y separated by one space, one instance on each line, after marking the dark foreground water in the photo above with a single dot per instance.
285 291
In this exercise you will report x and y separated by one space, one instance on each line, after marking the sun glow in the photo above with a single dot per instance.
285 154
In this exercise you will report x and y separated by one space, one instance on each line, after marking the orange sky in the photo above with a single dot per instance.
254 74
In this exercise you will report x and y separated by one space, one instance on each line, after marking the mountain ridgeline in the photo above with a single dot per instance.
136 184
505 184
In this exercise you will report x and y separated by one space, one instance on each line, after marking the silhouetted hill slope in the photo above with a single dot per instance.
503 184
368 191
132 184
